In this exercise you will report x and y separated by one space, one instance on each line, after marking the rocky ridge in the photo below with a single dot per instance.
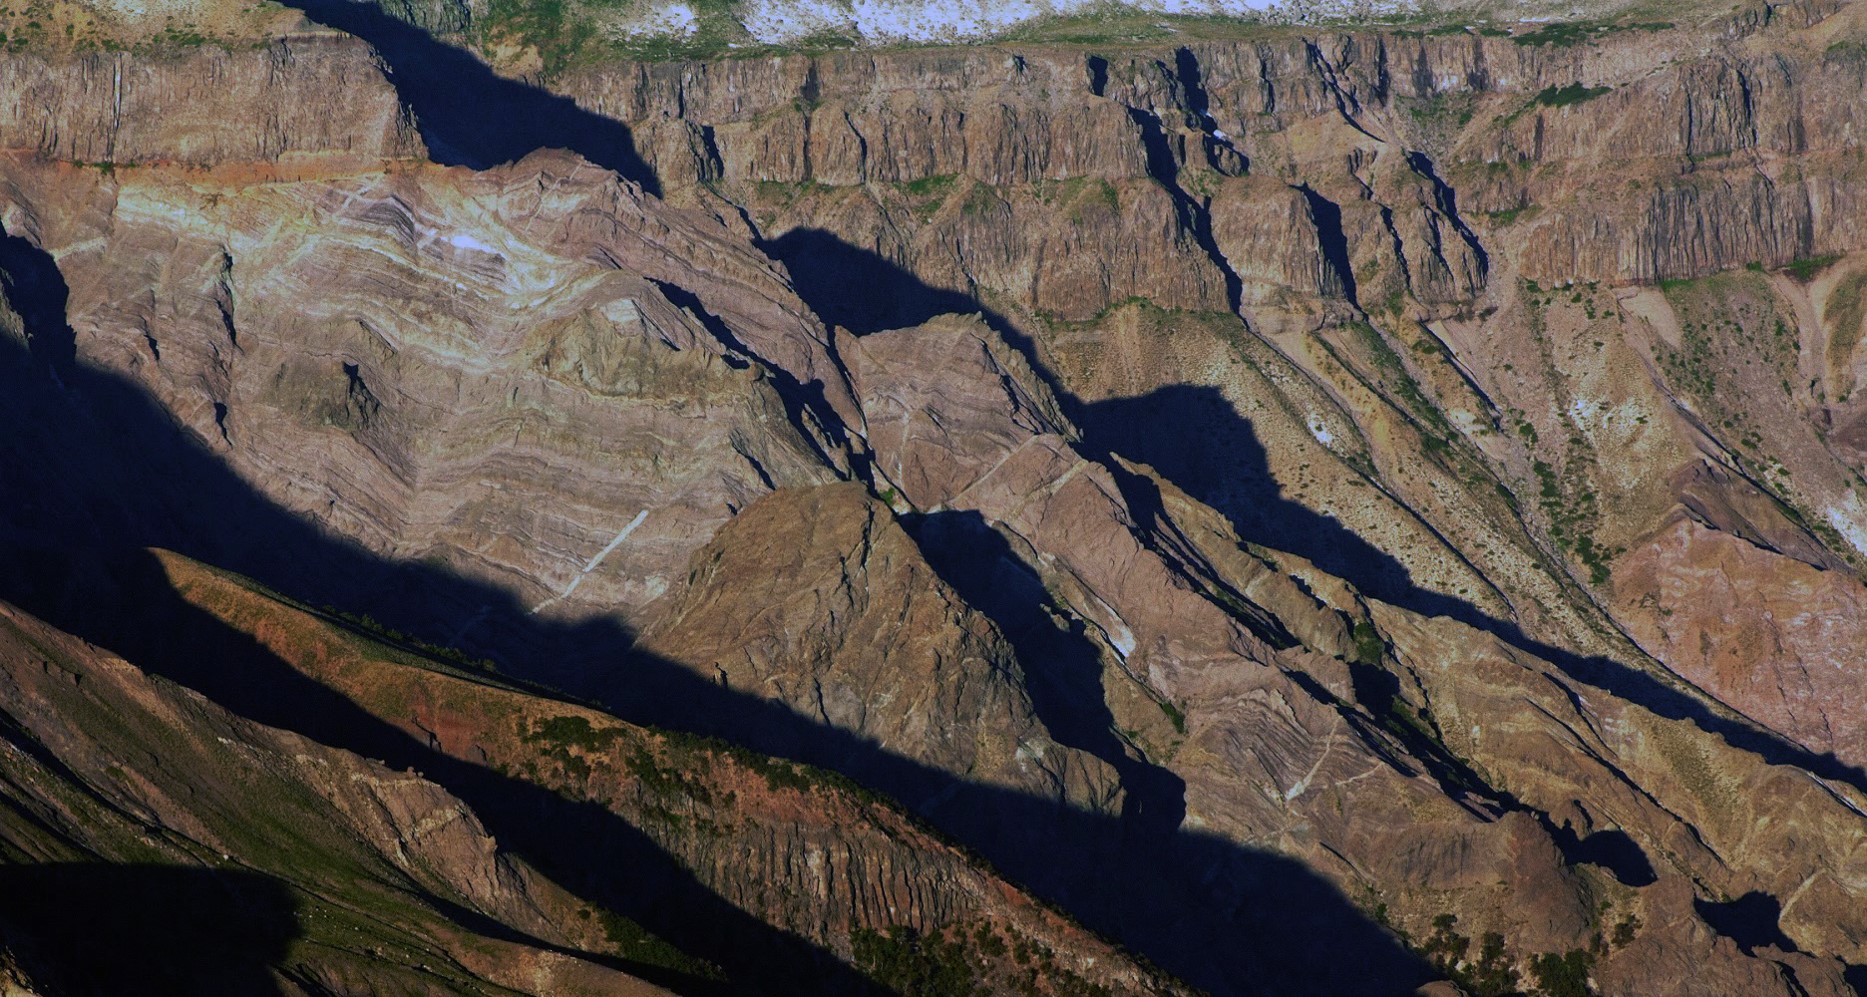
1413 595
230 812
806 855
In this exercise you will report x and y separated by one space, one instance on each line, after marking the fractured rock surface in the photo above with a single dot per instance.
1275 499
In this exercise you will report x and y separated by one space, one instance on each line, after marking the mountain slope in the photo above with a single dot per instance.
1279 496
372 873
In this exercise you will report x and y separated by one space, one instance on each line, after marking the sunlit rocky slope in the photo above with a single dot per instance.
1326 512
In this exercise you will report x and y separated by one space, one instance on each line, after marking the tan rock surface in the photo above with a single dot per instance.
817 599
1324 469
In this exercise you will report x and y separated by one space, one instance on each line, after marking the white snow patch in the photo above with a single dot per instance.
463 241
1850 521
779 21
674 19
1583 410
1123 639
925 22
139 9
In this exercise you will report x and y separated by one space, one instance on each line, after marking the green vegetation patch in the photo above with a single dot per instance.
1445 110
1572 33
936 185
954 962
1563 975
1844 314
981 200
574 732
1394 377
565 33
1845 49
568 739
1175 715
1368 643
550 26
1807 268
1488 975
1574 93
908 962
637 944
368 624
1510 215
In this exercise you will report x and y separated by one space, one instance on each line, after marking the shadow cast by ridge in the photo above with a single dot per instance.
99 471
576 843
1753 921
860 289
1063 671
471 116
1214 455
93 928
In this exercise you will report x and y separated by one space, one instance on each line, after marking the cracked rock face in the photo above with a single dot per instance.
1328 512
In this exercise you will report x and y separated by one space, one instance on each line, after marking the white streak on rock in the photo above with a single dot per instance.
621 535
469 242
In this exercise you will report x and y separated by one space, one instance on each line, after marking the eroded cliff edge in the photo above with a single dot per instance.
1370 450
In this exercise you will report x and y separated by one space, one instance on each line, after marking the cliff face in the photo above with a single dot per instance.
301 101
1739 151
1434 188
1267 495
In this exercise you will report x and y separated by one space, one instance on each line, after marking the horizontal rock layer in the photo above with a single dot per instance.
1276 547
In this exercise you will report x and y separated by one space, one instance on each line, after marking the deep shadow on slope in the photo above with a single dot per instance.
1214 455
471 116
83 929
95 471
30 281
1196 439
580 845
1062 668
859 289
1753 921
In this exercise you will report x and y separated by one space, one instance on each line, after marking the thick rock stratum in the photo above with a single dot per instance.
1288 509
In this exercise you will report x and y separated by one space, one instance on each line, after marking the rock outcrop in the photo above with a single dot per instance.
304 103
1351 492
794 848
